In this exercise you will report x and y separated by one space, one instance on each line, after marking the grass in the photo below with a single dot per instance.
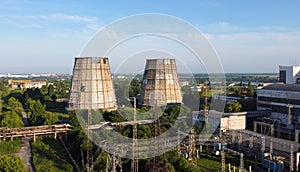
213 163
209 163
50 156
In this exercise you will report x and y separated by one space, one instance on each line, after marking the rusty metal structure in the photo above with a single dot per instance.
92 86
160 83
10 133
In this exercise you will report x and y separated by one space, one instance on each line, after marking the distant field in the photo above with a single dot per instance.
234 77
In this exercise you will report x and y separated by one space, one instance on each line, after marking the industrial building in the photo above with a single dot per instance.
160 83
289 74
92 86
283 100
14 84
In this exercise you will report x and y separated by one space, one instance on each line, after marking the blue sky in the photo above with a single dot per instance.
249 36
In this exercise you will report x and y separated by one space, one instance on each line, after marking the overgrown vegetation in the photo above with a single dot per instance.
10 146
11 163
49 155
45 107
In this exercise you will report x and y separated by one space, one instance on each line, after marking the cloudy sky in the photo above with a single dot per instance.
249 36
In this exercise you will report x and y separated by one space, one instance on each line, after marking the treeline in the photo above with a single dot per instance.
34 103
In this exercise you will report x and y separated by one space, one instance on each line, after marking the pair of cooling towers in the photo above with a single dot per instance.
92 86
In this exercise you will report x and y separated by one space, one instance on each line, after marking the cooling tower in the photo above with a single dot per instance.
92 86
160 83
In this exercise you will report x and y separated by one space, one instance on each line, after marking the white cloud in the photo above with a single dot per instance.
61 25
69 18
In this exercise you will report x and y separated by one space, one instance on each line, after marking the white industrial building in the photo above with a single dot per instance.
289 74
283 100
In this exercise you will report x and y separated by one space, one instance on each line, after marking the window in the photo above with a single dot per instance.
282 76
279 100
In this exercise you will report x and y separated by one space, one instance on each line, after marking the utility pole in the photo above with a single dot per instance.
206 122
223 160
292 157
192 147
134 162
289 106
158 163
89 163
241 162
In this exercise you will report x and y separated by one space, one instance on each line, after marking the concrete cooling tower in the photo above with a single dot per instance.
160 83
92 86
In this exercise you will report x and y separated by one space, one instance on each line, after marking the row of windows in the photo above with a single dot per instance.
279 100
279 109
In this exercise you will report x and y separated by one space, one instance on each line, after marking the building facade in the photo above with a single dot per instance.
15 84
289 74
283 100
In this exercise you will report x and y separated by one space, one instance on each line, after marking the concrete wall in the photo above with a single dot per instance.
292 73
160 83
289 73
233 122
296 73
92 86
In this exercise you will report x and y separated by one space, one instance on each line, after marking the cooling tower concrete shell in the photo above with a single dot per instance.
160 83
92 86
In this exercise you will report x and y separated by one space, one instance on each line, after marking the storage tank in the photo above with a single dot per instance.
160 84
92 86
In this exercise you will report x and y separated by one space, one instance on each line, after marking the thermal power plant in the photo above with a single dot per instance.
92 86
160 83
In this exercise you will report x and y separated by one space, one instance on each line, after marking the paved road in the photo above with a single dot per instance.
25 118
25 150
26 155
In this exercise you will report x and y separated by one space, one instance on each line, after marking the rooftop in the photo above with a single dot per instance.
283 87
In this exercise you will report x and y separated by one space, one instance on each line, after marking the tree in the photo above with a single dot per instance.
36 112
11 120
35 94
51 118
50 90
250 91
14 105
4 88
0 101
54 97
233 107
135 87
11 163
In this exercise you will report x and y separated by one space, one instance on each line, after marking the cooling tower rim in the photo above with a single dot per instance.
161 59
91 57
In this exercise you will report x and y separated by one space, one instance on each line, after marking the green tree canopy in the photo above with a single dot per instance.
51 118
50 90
233 107
11 120
36 112
11 163
14 105
250 91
